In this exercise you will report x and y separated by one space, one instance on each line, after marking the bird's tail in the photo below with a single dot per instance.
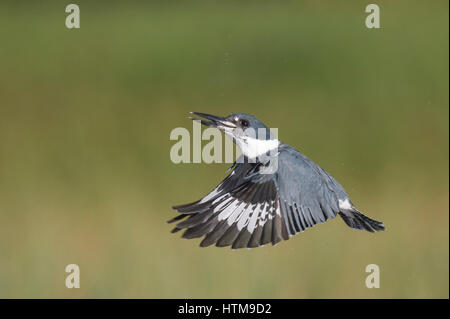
355 219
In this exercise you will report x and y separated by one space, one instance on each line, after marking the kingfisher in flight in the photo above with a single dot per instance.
271 193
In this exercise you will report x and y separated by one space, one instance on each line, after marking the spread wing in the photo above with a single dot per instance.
250 209
242 211
308 194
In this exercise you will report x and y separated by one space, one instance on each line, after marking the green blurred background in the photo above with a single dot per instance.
85 118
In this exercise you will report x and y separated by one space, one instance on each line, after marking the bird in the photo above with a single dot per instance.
272 192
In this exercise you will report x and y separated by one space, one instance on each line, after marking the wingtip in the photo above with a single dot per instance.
173 231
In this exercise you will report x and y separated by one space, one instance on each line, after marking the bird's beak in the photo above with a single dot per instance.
213 121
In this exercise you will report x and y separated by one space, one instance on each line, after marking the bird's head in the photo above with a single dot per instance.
249 133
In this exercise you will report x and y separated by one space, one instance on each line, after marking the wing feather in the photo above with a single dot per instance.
250 209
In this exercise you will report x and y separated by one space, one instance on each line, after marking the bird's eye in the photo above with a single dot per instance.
244 123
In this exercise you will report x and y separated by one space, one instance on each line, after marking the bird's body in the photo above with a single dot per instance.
266 198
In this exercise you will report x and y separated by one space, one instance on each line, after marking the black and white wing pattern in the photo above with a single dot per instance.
251 209
242 211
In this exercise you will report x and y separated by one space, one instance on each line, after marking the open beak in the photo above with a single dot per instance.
213 121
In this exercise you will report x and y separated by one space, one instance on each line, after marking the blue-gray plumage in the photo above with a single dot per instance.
273 192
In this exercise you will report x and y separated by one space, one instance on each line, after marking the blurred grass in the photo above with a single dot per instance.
85 117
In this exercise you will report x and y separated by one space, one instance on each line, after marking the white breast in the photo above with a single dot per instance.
253 147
